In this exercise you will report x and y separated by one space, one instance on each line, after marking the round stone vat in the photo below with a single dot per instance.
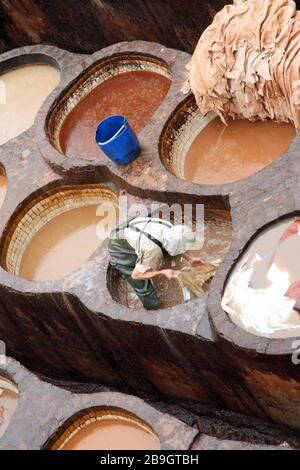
203 150
105 429
262 292
192 282
133 85
58 231
9 396
25 83
3 185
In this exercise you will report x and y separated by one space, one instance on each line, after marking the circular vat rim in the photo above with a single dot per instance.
168 137
32 58
84 417
224 327
93 75
59 197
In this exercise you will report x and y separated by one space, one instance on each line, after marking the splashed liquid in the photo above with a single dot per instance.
221 154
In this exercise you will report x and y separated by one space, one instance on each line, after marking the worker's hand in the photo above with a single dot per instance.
170 273
196 262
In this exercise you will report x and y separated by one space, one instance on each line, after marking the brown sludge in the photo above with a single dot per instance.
221 154
61 245
136 95
246 64
112 434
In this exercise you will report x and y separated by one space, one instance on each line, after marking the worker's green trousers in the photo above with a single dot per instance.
123 258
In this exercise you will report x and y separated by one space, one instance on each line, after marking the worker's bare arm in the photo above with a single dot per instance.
139 276
193 260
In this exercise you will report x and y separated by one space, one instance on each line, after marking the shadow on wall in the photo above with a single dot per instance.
175 23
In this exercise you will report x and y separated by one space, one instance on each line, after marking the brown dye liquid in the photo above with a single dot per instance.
112 434
136 95
3 189
221 154
22 92
62 245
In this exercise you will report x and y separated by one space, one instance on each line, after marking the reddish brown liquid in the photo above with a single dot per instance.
136 95
112 434
221 154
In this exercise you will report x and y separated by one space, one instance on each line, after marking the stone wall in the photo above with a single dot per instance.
88 25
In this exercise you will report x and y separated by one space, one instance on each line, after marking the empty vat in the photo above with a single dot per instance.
108 430
23 89
195 281
130 85
57 233
264 285
9 395
203 150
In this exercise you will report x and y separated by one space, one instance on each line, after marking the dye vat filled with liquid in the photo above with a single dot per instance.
23 90
135 95
109 431
221 154
62 245
201 149
9 396
132 86
61 232
263 288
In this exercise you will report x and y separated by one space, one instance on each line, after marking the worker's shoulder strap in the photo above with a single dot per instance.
150 221
133 226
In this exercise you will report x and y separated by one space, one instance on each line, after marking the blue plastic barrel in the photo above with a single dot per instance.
117 140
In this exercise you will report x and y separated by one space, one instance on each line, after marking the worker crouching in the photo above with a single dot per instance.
137 250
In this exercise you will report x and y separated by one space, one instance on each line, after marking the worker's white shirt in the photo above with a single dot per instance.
150 256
